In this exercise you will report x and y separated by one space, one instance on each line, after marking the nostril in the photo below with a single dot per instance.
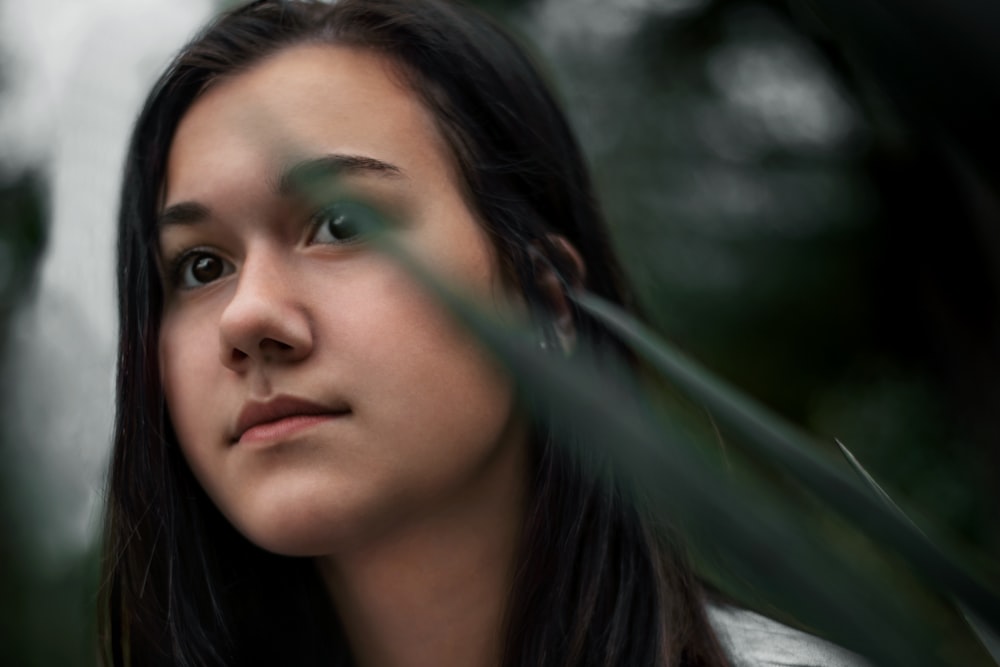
273 344
238 355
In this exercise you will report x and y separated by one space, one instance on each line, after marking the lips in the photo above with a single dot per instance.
287 411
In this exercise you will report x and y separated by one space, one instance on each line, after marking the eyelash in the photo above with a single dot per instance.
333 213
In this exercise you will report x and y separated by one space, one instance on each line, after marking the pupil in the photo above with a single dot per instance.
206 268
340 227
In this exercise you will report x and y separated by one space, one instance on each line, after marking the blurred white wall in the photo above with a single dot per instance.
74 74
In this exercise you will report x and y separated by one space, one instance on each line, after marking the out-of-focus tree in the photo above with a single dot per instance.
45 612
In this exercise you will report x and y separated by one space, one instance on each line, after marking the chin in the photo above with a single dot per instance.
301 524
292 538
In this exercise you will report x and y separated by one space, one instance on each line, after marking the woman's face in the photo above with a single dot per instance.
322 398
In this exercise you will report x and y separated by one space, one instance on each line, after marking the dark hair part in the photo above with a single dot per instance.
181 586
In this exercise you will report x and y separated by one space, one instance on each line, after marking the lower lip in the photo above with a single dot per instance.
282 428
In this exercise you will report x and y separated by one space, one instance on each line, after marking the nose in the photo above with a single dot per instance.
265 321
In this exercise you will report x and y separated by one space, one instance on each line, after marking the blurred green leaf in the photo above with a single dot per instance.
767 542
782 445
986 635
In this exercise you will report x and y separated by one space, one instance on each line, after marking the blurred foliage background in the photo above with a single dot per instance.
805 195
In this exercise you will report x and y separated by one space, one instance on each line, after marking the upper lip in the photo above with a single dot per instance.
255 413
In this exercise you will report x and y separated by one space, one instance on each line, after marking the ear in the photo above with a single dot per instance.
553 285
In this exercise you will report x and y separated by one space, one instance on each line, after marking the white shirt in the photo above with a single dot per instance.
752 640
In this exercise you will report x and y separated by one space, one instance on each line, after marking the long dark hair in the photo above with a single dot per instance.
181 586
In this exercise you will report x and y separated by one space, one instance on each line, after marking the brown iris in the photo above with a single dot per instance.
206 268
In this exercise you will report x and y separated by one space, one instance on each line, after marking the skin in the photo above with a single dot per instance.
410 490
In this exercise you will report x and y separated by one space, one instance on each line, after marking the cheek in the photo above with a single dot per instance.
187 357
428 385
442 376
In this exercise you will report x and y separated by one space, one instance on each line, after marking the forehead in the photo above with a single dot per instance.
303 101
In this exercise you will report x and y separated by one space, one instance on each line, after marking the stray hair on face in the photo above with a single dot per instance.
597 583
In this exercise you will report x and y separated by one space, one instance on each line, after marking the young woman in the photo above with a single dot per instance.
313 462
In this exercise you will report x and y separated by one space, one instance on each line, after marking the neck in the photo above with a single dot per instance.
434 592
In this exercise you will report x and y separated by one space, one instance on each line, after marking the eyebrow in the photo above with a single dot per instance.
298 179
301 176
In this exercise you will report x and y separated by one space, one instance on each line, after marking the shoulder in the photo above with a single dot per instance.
753 640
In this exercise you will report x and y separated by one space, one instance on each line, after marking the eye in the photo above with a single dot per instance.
339 224
198 268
